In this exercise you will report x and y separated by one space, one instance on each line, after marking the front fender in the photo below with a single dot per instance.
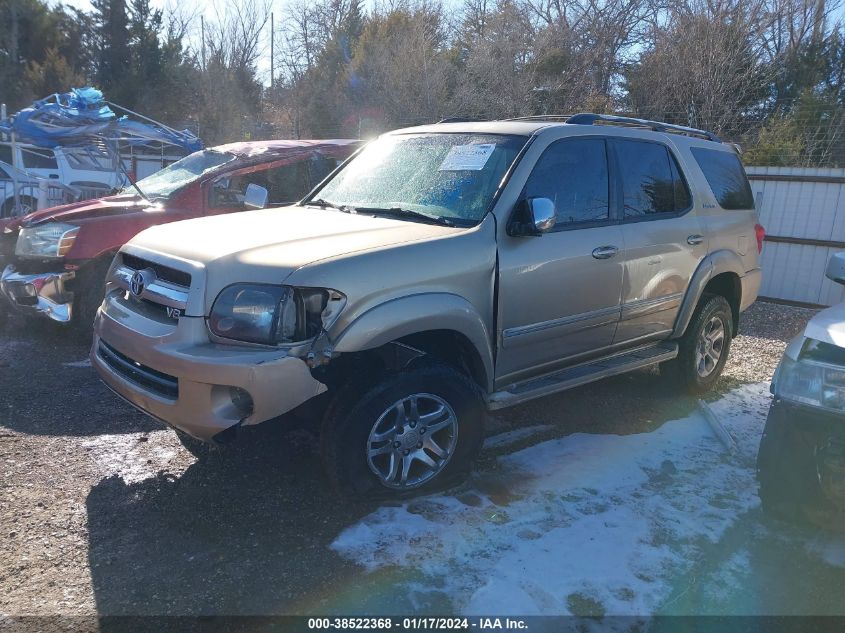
413 314
718 262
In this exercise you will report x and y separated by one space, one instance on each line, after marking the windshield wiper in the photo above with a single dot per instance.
323 204
408 213
132 180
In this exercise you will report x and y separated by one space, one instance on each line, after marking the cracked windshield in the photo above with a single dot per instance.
448 176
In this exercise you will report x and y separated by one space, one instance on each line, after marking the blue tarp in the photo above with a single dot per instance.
82 116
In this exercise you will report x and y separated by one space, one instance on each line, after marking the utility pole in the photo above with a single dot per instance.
272 50
202 35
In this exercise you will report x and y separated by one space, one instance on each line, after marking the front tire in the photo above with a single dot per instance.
415 431
704 347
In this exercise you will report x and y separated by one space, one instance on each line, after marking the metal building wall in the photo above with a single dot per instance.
803 211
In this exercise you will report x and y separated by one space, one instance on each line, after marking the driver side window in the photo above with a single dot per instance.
573 174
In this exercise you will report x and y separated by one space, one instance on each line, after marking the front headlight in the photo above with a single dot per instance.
273 315
810 383
53 239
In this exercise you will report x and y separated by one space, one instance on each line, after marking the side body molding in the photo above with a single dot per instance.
718 262
419 313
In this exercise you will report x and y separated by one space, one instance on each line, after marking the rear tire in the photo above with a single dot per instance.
416 431
704 347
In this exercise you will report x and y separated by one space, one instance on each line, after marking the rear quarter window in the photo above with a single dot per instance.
726 177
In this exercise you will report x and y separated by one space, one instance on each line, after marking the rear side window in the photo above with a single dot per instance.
651 181
726 177
573 174
39 159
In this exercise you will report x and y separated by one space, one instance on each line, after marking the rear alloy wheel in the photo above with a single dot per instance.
417 430
710 347
703 349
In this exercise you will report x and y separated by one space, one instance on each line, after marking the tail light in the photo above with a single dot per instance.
760 232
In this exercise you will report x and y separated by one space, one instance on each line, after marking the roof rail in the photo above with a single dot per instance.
541 117
458 119
588 118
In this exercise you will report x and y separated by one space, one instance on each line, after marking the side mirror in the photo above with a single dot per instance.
836 268
255 196
534 216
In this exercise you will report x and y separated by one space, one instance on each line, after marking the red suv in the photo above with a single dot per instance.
56 259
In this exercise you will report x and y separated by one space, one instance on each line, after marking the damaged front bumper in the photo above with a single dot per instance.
172 372
42 294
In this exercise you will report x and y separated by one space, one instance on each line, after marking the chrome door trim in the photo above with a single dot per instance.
643 307
611 312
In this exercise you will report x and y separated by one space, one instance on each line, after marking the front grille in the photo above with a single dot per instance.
147 308
155 381
165 273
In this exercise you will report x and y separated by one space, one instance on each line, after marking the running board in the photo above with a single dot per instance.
582 374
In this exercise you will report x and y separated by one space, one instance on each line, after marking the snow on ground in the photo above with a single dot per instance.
132 456
588 524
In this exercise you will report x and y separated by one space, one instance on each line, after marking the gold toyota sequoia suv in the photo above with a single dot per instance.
441 272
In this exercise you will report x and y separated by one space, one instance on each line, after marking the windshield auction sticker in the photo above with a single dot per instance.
467 157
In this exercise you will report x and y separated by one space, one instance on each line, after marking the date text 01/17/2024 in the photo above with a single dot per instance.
416 623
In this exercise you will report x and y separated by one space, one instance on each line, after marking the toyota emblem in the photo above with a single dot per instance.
140 280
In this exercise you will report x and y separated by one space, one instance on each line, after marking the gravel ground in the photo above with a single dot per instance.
102 511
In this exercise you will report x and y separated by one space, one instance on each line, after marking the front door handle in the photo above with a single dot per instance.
694 240
605 252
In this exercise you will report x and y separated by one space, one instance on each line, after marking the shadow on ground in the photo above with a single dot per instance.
50 389
244 532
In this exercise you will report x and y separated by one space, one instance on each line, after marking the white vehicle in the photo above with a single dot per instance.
22 192
94 174
801 462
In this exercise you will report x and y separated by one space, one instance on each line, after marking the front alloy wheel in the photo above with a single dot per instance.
415 430
412 441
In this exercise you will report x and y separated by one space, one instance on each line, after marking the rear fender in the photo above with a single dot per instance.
718 262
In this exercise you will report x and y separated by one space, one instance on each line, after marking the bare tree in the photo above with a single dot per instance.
234 38
704 69
400 61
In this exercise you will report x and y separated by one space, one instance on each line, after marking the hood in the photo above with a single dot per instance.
83 210
272 243
828 326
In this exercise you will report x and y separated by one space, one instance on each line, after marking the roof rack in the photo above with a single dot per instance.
588 118
542 117
458 119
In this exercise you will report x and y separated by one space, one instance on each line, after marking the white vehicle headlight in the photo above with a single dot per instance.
53 239
273 315
810 381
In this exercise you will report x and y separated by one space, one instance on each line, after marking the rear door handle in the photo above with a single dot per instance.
694 240
605 252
